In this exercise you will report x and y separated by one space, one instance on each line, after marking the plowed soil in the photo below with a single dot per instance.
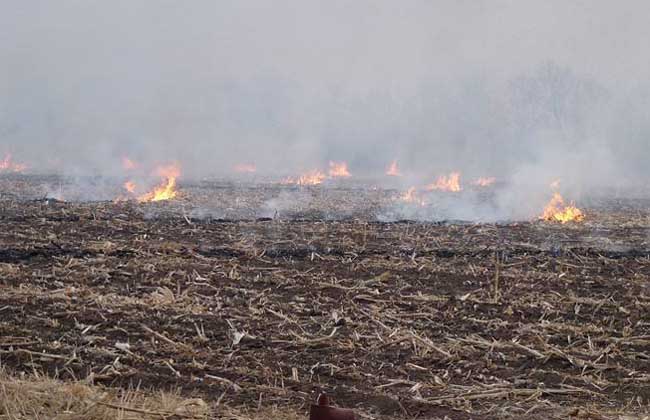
393 319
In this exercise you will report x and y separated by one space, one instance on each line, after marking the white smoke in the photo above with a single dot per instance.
523 91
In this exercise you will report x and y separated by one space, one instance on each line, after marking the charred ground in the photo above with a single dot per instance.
397 320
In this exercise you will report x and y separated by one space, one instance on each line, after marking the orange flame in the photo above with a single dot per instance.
446 183
130 186
166 190
245 168
128 164
8 165
314 177
557 211
485 181
393 170
411 196
339 169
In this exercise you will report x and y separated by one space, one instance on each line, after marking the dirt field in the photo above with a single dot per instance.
393 319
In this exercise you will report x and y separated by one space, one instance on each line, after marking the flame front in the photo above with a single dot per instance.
339 170
557 211
8 165
446 183
485 181
166 190
314 177
245 168
393 170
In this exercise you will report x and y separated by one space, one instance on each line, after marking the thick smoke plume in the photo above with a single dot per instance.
527 92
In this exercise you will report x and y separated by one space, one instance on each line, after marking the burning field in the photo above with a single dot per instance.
402 210
256 296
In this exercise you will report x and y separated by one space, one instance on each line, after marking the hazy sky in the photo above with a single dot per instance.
209 82
352 43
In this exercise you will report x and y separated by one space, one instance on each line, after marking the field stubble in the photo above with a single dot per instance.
395 320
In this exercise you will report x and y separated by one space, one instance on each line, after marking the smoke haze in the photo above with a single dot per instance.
526 91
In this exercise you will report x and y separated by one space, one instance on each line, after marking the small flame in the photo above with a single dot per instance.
245 168
393 170
339 169
555 184
485 181
557 211
411 196
7 165
314 177
446 183
130 186
167 190
128 164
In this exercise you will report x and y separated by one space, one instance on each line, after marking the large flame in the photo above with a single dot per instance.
446 183
485 181
338 170
557 211
245 168
314 177
393 169
167 189
8 165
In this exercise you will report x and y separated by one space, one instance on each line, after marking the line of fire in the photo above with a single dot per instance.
166 188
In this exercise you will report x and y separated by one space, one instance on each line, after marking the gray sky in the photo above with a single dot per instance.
295 83
358 43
